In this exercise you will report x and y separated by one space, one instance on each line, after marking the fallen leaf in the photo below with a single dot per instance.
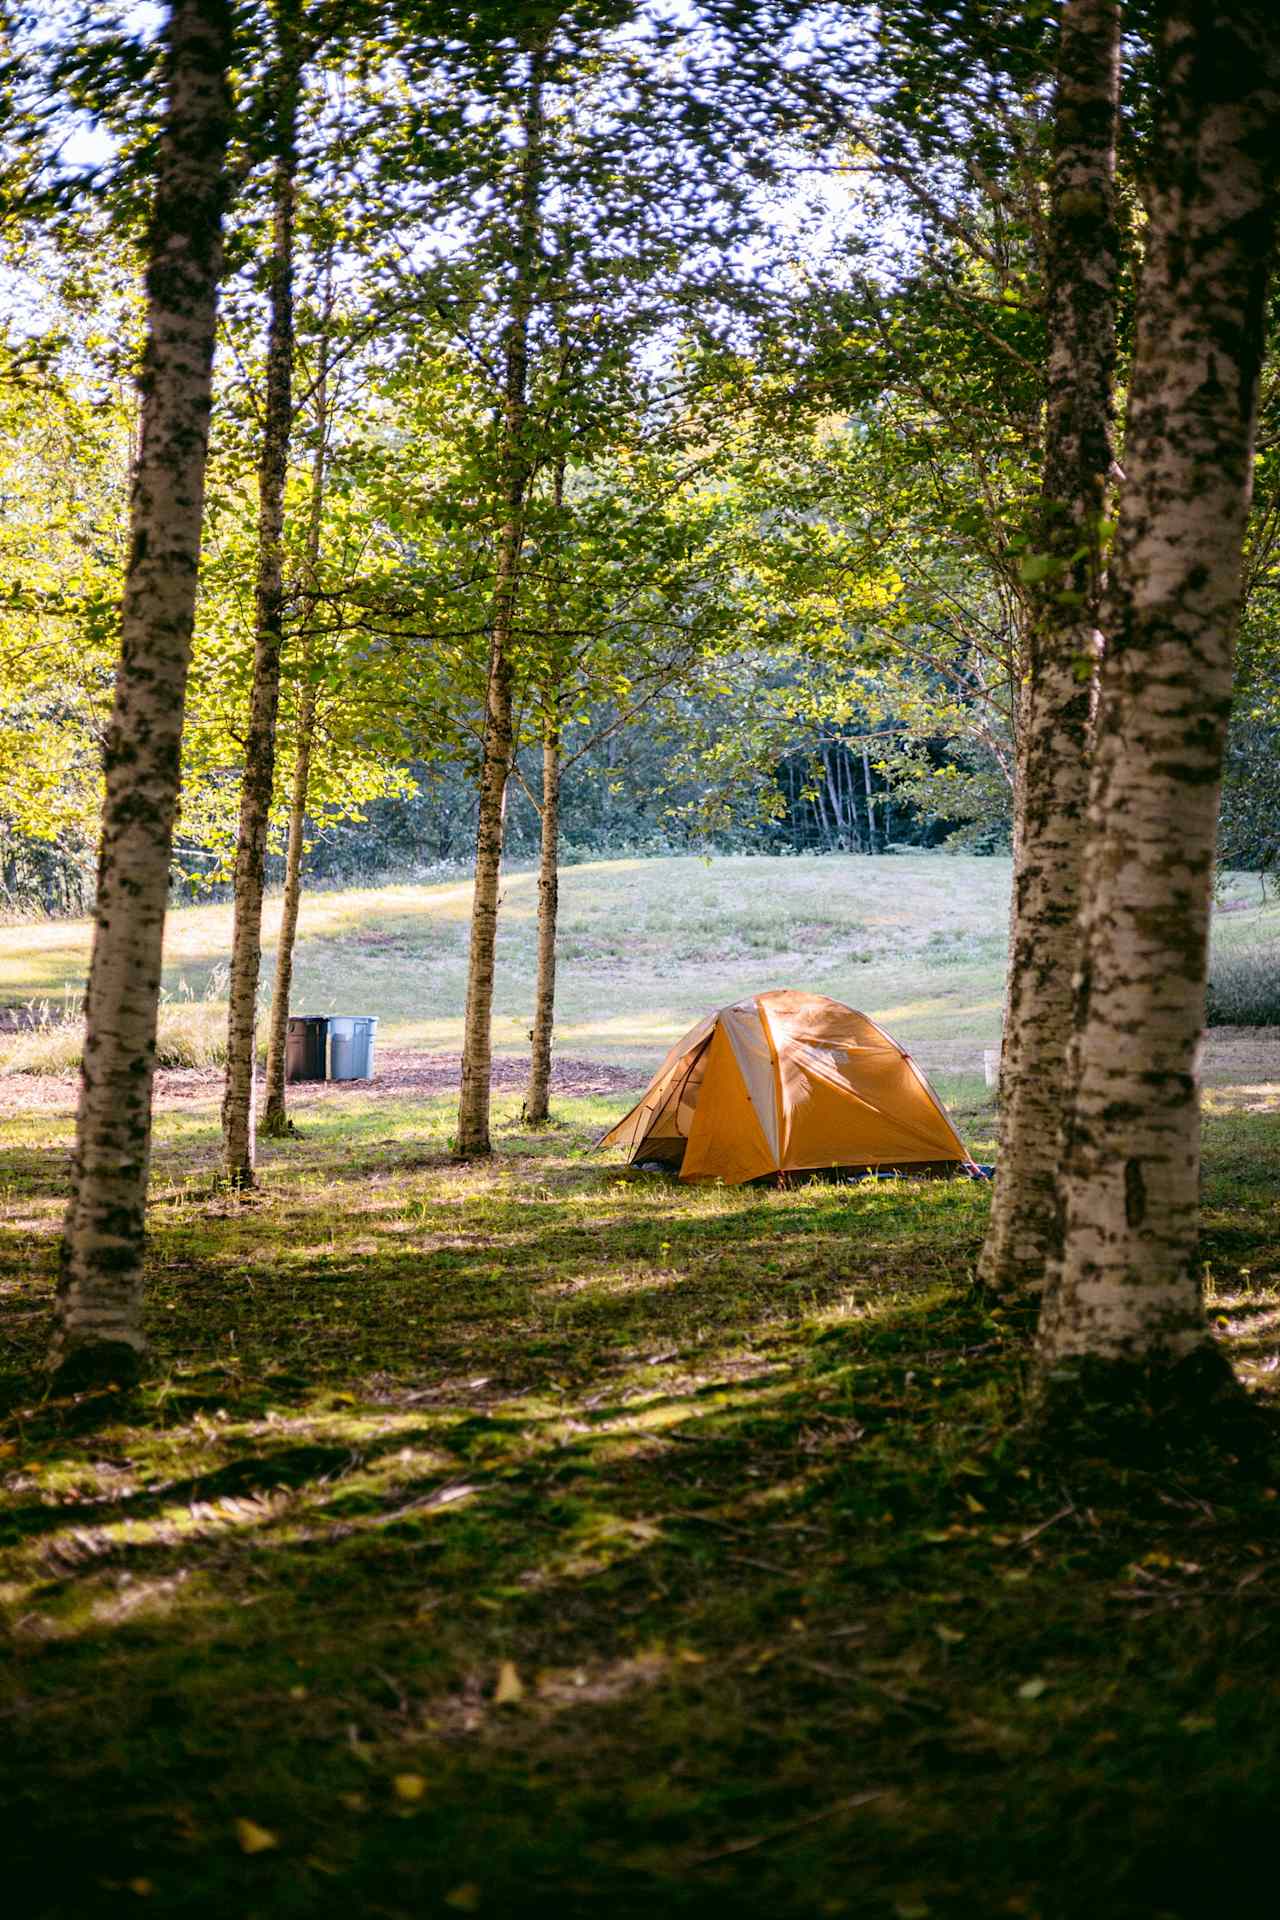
409 1786
1197 1723
510 1687
949 1636
1032 1689
141 1886
465 1898
253 1838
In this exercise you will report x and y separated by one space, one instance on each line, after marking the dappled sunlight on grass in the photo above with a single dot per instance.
547 1530
1263 1097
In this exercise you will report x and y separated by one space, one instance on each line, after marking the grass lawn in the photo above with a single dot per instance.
543 1539
646 946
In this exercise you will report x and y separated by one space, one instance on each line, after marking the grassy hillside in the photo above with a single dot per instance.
917 941
646 947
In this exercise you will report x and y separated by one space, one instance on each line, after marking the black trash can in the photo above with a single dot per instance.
306 1051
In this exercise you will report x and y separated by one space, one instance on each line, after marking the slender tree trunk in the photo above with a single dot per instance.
275 1119
536 1103
831 769
820 808
874 840
536 1109
1122 1314
1082 269
473 1106
264 700
98 1315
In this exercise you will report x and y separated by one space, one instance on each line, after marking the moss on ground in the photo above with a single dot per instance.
541 1538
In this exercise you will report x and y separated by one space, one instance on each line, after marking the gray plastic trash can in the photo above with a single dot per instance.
351 1046
306 1046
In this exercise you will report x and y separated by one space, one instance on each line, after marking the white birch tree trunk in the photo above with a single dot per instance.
1063 645
1122 1313
98 1331
514 466
264 700
275 1117
538 1097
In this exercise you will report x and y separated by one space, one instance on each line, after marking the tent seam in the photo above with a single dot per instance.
763 1017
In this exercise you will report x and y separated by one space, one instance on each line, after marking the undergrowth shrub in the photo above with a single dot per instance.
1244 987
191 1033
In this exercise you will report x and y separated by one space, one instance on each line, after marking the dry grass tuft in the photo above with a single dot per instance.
1244 987
191 1033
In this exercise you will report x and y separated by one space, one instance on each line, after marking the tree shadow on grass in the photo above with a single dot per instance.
824 1641
725 1498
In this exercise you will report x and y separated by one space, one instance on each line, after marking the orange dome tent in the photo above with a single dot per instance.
787 1083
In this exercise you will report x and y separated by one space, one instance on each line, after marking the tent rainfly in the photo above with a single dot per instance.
787 1083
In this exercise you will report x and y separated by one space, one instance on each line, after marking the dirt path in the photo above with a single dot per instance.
401 1075
1242 1063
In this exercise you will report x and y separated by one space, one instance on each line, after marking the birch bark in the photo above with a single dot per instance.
264 701
1122 1303
98 1331
1063 644
275 1118
537 1099
875 842
515 466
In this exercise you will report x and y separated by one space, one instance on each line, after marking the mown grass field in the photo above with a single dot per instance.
539 1538
917 941
645 946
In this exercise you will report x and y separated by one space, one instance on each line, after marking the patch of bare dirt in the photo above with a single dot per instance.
400 1074
1243 1058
